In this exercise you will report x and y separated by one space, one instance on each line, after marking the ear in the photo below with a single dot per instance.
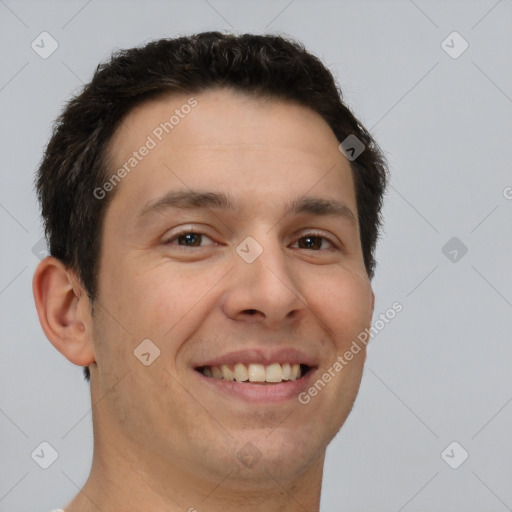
64 310
372 306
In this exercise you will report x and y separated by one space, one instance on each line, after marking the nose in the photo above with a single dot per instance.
266 290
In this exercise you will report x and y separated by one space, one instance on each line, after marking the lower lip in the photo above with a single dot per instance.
260 393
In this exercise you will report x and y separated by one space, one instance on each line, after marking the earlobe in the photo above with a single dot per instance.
63 309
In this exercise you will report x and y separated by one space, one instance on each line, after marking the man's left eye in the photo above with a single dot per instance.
313 241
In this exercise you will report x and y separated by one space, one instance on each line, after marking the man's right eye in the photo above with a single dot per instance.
188 239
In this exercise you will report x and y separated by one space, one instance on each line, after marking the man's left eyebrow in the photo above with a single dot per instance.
322 207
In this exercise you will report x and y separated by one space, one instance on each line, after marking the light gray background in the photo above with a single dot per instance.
440 371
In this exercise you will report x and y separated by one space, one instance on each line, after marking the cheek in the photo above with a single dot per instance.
343 301
170 298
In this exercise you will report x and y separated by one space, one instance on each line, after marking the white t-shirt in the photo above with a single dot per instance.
59 510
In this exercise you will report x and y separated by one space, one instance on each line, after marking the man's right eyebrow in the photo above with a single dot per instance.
189 199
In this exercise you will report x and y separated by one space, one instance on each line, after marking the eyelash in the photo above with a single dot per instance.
312 234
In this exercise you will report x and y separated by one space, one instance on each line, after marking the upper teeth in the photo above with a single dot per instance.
274 372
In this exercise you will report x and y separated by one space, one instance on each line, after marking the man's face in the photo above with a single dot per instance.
189 279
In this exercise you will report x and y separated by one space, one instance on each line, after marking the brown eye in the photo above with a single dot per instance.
313 242
188 239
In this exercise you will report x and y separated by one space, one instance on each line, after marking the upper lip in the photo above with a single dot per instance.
261 356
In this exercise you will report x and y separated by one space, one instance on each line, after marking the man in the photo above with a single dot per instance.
212 209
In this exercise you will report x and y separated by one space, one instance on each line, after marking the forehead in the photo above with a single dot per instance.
220 139
221 116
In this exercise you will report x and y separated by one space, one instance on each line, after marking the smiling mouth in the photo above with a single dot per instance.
254 373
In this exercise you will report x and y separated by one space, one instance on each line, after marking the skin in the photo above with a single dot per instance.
162 439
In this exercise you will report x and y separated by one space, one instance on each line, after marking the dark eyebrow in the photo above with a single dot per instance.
196 199
192 199
321 206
